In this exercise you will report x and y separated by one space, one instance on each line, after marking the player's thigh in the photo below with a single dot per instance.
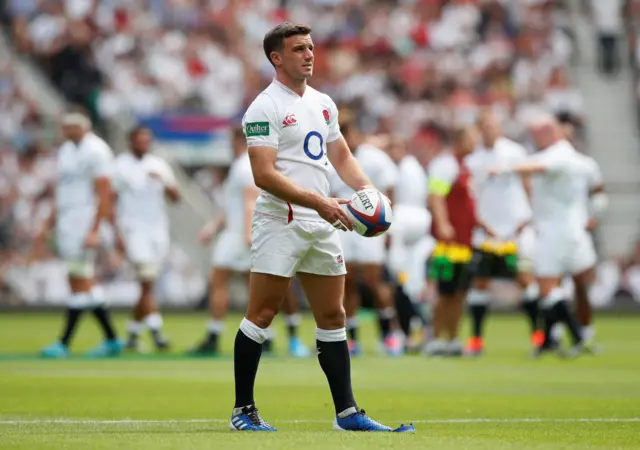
219 277
459 280
231 252
324 294
79 261
279 248
266 295
371 274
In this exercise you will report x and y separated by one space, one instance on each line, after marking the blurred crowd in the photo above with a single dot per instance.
411 68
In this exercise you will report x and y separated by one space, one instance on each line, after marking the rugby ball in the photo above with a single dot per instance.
370 212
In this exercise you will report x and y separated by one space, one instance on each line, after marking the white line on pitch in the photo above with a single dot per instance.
426 421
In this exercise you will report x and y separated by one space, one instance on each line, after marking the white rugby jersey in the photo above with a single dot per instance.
592 179
239 178
412 185
299 128
78 167
501 202
557 195
377 166
141 197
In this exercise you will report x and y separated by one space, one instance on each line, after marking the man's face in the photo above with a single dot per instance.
489 128
142 142
73 132
297 57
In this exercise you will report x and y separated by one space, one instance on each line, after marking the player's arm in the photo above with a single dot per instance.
47 225
598 199
211 228
346 164
438 191
525 168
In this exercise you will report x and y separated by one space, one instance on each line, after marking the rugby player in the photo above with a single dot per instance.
292 134
82 203
142 183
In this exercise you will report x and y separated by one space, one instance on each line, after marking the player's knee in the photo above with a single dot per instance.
331 319
263 317
481 284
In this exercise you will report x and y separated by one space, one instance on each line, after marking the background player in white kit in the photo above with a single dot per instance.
561 246
232 251
142 183
82 202
502 204
365 257
292 133
410 240
594 204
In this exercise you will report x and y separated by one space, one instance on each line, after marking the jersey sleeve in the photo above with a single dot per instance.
260 123
102 164
442 173
594 175
552 161
167 174
334 128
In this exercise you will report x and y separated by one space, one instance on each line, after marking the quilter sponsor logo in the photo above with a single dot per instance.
257 129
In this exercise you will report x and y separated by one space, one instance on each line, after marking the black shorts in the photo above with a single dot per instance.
451 278
493 266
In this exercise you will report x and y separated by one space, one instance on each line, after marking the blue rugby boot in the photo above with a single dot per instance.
55 350
248 419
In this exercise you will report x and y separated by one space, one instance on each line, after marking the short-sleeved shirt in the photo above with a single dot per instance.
141 197
557 197
299 128
411 187
79 165
591 180
501 201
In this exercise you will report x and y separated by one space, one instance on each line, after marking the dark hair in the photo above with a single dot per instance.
136 131
274 39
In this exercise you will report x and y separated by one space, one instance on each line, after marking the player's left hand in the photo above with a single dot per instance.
92 240
592 224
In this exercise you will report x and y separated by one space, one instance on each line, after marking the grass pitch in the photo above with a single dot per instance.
503 400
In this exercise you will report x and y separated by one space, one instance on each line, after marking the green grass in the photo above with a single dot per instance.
504 400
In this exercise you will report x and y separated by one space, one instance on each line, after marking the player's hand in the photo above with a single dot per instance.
156 176
592 224
446 231
206 234
92 240
330 209
247 238
487 229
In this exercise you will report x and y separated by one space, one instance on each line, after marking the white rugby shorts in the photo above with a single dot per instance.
284 248
363 250
71 230
410 226
146 248
558 253
231 252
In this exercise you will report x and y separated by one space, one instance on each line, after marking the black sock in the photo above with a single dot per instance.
158 338
73 315
565 315
334 360
478 313
212 338
405 310
549 319
532 310
246 358
293 330
385 323
105 322
352 331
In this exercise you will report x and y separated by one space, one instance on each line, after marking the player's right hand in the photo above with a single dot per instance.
446 232
206 234
330 209
92 240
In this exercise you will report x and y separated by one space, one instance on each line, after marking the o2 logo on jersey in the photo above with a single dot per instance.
311 138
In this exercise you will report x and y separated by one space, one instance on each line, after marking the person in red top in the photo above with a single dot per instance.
454 218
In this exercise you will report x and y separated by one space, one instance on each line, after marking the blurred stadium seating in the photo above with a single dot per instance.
189 68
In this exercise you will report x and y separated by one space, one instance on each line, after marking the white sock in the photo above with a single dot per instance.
154 321
215 326
294 320
135 327
387 313
271 333
347 412
478 298
338 335
588 332
557 331
253 331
